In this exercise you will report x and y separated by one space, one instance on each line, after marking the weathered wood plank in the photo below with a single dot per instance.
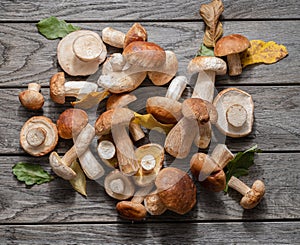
142 10
168 233
26 56
58 202
276 125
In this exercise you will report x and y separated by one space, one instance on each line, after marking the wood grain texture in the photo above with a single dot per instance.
58 202
142 10
276 125
191 233
26 56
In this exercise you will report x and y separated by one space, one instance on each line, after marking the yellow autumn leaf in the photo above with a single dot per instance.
149 122
90 100
263 52
79 182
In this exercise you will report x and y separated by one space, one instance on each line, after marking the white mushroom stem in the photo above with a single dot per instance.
79 89
106 149
222 155
148 163
136 131
236 115
117 186
205 85
234 64
203 135
176 87
34 87
113 37
36 136
238 185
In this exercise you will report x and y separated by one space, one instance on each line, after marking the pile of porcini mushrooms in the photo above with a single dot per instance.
137 177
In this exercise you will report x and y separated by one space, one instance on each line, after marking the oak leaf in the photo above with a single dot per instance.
263 52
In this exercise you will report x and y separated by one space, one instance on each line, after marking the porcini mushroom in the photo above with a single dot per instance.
180 139
154 204
61 166
176 87
150 158
251 196
207 68
80 53
31 98
136 33
231 46
59 88
38 136
118 186
107 151
176 190
113 37
235 112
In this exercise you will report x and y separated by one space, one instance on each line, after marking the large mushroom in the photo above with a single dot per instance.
176 190
59 88
80 53
231 46
38 136
235 110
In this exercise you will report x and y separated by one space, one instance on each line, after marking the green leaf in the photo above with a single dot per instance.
52 28
205 51
31 173
240 164
79 182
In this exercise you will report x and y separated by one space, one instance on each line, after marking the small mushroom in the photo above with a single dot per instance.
231 46
80 53
59 88
136 33
131 210
176 87
31 98
71 122
235 112
153 204
113 37
180 139
150 158
118 186
107 151
61 166
251 196
38 136
176 190
222 155
121 119
207 67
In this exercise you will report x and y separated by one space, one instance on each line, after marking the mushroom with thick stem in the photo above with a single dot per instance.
59 88
61 166
121 119
176 190
251 196
38 136
31 98
150 158
235 110
231 46
176 87
209 169
180 139
80 53
118 186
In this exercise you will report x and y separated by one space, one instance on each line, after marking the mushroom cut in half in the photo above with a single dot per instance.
80 53
118 186
38 136
150 158
235 112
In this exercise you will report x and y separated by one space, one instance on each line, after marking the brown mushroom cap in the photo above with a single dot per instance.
71 122
38 136
69 61
57 87
136 33
207 63
231 44
131 211
104 122
224 102
254 195
195 109
216 181
164 109
119 100
176 190
31 98
144 54
118 186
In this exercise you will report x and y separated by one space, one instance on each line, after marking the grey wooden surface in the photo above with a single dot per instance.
54 213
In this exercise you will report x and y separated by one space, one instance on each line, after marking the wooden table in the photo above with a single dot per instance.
54 213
